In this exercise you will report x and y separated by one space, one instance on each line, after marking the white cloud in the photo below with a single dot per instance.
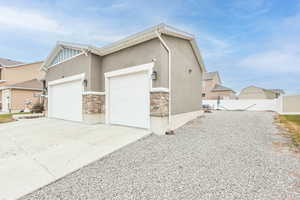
27 19
273 61
282 52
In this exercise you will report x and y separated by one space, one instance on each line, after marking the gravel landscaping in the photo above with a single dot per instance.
224 155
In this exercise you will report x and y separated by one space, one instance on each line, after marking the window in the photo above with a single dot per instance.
65 54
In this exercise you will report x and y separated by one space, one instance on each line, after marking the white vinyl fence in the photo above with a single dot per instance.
244 104
288 104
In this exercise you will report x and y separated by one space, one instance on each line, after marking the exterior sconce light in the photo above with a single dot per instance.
85 82
154 75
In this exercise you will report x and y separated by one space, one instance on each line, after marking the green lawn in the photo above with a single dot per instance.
292 123
4 118
292 118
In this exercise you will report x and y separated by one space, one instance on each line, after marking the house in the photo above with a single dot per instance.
278 92
253 92
213 88
149 80
20 86
4 62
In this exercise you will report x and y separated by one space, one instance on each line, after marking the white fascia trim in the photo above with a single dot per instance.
94 93
2 81
82 53
143 36
160 89
139 68
67 79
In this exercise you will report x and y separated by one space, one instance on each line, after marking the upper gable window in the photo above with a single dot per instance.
64 54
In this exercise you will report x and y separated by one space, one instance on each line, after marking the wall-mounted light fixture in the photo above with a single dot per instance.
154 75
190 71
85 82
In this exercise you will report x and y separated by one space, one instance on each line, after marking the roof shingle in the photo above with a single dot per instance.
31 84
7 62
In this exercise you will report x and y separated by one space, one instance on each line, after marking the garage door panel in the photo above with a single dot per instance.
129 100
65 101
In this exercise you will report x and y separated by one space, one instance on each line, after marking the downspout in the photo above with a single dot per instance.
169 66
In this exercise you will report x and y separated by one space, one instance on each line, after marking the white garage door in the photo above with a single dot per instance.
129 100
65 100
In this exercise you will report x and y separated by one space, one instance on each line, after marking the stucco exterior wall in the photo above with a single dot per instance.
96 74
77 65
186 90
26 72
137 55
20 97
291 104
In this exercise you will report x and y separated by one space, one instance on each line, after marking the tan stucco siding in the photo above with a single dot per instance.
221 94
77 65
291 103
22 73
20 97
94 84
186 90
136 55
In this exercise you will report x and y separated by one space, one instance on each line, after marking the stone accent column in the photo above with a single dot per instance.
159 104
93 104
93 107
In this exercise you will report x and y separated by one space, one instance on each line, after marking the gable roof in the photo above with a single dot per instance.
132 40
7 62
221 88
33 84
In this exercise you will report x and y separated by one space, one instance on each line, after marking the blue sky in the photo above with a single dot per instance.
250 42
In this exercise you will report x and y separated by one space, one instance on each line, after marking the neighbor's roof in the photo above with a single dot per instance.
267 90
132 40
7 62
210 75
280 91
221 88
33 84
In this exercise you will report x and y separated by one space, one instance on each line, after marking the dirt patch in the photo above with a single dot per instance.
290 131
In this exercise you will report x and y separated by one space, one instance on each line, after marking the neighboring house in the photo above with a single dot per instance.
278 92
4 62
139 81
253 92
213 88
20 86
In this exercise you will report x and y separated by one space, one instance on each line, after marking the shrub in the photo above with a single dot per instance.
37 108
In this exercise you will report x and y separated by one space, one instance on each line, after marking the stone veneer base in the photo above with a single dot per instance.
159 104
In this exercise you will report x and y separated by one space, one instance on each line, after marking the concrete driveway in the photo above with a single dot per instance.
221 156
36 152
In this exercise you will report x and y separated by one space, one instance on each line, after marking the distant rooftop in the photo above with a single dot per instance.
32 84
7 62
209 75
221 88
